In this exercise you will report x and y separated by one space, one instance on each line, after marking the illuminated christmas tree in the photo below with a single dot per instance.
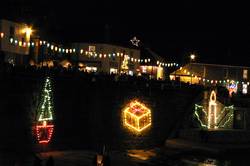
125 63
44 125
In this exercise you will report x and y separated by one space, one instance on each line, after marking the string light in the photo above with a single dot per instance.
81 51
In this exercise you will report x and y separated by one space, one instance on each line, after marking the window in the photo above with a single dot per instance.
131 53
113 71
245 72
91 48
12 31
225 73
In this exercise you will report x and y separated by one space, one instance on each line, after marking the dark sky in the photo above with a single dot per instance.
216 32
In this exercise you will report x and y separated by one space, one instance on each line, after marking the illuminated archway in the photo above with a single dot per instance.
137 117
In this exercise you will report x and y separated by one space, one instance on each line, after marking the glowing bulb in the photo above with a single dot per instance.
28 31
2 35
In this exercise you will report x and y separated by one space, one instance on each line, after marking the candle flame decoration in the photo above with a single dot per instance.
212 117
212 111
137 117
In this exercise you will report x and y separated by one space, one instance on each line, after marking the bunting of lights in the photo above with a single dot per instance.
226 82
44 124
137 117
213 118
60 49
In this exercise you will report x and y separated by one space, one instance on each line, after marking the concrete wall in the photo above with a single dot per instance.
12 51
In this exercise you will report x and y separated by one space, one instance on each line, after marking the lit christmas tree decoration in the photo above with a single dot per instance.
125 63
44 126
137 116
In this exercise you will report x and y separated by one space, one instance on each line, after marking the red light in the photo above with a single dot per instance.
44 132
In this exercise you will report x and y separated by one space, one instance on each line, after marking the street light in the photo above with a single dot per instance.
192 57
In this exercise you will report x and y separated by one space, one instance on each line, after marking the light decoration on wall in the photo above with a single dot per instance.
44 126
232 87
137 117
211 117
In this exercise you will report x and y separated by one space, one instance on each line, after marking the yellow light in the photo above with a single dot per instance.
2 35
20 43
28 32
192 56
137 116
212 111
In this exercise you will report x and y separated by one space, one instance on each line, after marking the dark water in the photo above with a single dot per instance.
199 160
236 160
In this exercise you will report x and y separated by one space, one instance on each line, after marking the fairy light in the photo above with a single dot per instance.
73 50
198 107
11 40
1 35
137 116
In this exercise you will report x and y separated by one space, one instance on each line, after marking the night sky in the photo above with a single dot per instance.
216 32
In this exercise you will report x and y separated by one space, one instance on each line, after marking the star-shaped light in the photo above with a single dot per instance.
135 41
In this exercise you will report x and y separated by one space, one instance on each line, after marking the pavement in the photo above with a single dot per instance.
182 146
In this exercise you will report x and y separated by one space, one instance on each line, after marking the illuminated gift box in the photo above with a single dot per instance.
137 116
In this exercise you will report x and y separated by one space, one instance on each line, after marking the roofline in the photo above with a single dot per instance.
116 45
218 65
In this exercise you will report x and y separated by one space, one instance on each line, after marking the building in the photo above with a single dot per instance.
154 72
107 58
15 42
232 77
